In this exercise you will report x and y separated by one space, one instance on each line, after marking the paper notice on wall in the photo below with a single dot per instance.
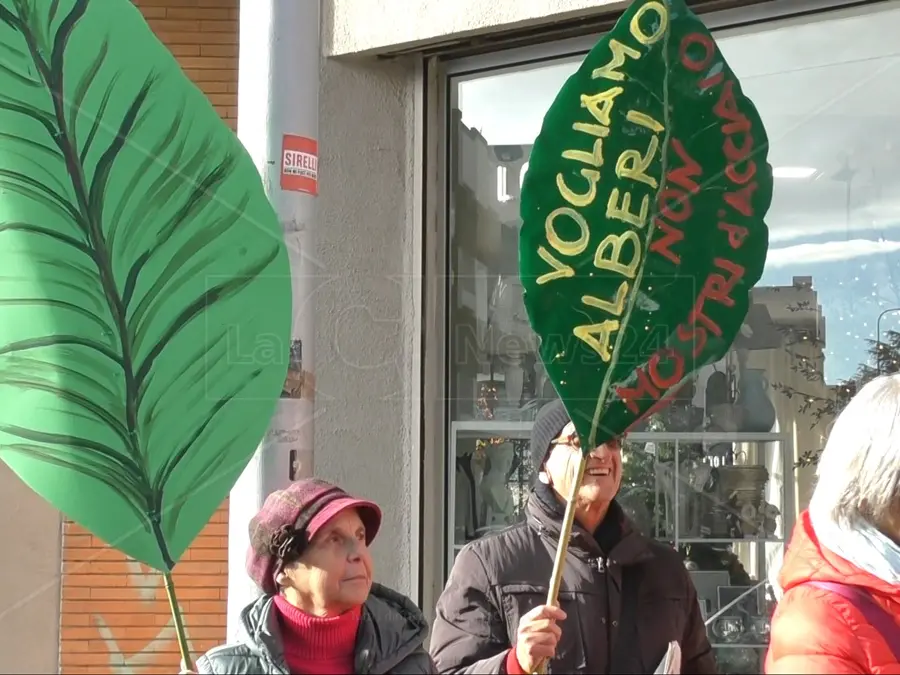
300 164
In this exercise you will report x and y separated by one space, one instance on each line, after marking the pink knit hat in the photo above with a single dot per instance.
290 518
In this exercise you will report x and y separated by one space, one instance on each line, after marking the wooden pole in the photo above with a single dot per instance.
186 662
562 548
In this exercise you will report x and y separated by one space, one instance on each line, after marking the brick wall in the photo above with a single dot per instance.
114 615
203 34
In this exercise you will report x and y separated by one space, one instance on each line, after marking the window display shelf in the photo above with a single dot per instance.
517 429
746 539
482 428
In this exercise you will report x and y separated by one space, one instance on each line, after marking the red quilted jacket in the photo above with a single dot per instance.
815 631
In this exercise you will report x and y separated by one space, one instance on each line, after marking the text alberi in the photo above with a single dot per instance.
666 368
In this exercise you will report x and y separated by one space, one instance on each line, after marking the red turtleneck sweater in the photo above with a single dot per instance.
313 644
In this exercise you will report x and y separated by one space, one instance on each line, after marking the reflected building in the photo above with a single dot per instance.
796 367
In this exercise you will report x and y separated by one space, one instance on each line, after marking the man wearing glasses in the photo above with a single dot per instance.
623 598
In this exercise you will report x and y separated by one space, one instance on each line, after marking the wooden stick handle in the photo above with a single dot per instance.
186 662
562 548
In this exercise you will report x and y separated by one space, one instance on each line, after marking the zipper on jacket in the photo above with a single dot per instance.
600 565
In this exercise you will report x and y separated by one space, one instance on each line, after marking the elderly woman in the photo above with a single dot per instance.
841 573
320 611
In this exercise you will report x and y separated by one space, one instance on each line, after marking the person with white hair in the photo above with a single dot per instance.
840 612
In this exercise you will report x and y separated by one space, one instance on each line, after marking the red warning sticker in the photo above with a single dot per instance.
300 164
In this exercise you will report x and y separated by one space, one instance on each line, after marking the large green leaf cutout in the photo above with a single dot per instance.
145 299
642 210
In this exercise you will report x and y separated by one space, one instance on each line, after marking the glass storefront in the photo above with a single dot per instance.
722 472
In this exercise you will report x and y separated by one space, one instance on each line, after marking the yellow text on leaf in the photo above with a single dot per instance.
614 244
597 336
611 70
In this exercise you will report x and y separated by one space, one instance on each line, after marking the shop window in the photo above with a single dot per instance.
722 472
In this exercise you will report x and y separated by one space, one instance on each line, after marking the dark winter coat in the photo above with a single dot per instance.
623 605
390 640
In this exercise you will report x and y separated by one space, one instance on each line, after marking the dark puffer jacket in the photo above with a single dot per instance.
390 640
623 607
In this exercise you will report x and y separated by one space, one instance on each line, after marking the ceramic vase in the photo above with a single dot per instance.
757 411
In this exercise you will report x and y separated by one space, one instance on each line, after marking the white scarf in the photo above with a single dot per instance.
862 545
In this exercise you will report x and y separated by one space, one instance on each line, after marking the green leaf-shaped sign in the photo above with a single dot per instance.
145 299
642 213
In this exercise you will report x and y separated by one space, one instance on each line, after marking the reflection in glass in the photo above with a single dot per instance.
493 476
728 629
714 473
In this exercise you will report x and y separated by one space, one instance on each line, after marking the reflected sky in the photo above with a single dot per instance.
829 102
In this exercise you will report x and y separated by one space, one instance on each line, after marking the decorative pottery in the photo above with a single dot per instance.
742 479
757 411
738 496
